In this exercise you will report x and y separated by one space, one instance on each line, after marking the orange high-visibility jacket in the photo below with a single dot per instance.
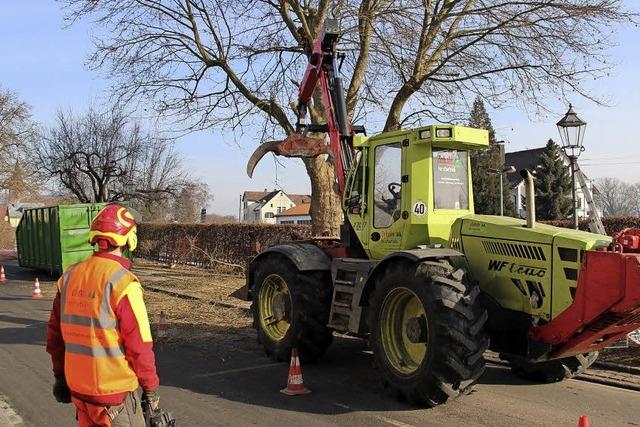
95 362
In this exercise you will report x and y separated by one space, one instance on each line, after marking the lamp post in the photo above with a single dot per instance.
571 129
507 170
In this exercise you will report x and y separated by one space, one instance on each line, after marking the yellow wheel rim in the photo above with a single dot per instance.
403 330
275 307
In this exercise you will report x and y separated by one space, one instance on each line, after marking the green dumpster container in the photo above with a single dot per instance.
54 237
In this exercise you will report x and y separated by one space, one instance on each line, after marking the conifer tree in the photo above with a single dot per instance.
553 185
486 186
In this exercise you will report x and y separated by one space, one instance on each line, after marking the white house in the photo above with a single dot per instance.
530 159
299 214
13 211
261 207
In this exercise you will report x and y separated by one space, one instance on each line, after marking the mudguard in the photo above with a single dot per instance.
413 255
305 256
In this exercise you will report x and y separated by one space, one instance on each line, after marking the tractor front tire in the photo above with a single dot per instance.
291 308
427 331
552 371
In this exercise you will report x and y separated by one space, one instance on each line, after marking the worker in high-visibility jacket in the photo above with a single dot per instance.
98 335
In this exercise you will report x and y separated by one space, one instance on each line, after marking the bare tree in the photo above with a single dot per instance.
155 177
223 63
102 157
634 201
189 201
16 131
615 197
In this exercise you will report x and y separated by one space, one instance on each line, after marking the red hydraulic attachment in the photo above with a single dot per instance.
607 303
322 71
628 240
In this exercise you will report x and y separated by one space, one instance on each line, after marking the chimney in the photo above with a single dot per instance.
530 197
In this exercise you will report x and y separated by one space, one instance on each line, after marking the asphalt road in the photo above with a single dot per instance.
209 387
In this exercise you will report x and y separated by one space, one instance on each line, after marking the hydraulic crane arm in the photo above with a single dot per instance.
322 71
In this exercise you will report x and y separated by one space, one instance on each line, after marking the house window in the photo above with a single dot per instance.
281 209
286 222
304 221
268 215
271 204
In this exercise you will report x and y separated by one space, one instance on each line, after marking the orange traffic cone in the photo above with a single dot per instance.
162 328
295 385
37 293
2 276
583 421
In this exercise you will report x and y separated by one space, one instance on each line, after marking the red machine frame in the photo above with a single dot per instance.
606 306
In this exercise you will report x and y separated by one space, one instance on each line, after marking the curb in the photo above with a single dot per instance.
585 376
617 367
608 381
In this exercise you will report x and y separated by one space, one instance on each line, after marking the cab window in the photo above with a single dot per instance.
450 179
387 184
354 199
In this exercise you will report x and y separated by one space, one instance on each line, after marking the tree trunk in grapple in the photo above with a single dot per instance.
326 211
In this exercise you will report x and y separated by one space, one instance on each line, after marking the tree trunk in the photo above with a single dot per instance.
395 111
326 210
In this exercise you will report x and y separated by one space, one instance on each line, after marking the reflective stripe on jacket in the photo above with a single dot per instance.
95 362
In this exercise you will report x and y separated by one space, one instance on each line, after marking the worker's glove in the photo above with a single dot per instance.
151 399
60 390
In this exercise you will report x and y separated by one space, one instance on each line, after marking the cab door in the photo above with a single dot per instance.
385 214
355 199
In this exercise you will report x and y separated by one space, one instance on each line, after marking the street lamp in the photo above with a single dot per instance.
507 170
571 129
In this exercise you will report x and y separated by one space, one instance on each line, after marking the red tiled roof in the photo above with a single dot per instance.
299 199
254 196
298 210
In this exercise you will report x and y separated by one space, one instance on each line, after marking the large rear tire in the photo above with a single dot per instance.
427 331
552 371
291 308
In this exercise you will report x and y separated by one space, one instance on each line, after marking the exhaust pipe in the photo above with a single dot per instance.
530 197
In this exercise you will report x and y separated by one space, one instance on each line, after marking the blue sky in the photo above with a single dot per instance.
44 63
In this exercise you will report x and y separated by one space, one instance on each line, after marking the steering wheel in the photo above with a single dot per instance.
392 189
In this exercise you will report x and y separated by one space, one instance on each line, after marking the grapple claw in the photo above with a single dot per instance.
295 145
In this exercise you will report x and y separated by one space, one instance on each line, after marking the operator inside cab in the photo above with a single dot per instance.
98 333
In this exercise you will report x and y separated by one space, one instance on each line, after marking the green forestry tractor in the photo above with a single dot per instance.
429 283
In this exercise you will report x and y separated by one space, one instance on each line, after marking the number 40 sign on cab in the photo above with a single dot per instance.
419 208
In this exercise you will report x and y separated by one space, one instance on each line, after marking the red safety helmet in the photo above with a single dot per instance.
115 225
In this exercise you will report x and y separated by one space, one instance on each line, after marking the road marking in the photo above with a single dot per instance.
393 422
236 370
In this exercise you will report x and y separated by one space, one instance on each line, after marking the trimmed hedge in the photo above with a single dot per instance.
611 224
212 245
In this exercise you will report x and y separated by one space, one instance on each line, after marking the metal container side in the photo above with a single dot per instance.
54 237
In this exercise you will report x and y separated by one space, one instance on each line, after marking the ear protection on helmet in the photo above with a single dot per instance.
132 240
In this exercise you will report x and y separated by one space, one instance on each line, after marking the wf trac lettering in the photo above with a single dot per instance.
512 267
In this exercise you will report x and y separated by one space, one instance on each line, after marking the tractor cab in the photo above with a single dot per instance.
406 188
